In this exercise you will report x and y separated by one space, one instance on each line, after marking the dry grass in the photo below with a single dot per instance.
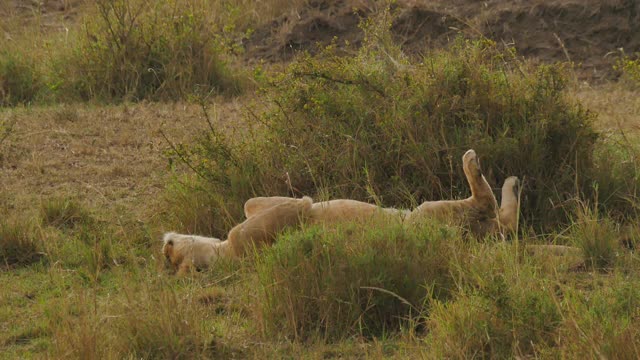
617 105
111 156
98 279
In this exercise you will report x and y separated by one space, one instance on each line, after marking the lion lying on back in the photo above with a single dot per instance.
267 216
480 211
186 252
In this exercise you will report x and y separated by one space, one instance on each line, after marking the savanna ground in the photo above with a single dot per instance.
105 144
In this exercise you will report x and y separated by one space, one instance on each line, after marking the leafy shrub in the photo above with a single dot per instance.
20 80
378 126
354 279
191 209
18 243
136 49
629 67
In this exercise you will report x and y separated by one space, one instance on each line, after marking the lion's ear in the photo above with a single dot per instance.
170 242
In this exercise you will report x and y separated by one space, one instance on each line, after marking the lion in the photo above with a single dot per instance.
261 227
509 205
506 220
267 216
332 211
192 252
480 211
476 210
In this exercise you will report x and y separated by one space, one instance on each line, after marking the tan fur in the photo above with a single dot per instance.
258 204
478 210
187 252
262 227
342 210
332 211
508 213
507 220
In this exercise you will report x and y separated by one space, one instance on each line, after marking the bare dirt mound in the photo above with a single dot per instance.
40 7
588 32
318 23
593 33
323 22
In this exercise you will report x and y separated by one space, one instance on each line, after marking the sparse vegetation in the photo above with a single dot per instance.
133 50
503 307
87 192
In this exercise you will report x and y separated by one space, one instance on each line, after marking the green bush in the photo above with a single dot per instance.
192 209
136 49
20 80
379 127
399 130
353 279
629 67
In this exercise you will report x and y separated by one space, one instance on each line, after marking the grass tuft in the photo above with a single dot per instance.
19 244
64 213
502 308
598 237
21 81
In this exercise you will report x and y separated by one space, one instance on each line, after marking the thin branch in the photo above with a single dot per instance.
182 156
7 132
324 76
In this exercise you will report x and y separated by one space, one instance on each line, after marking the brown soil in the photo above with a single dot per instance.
588 32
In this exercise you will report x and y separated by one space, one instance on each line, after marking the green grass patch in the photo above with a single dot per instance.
64 213
503 307
598 237
353 280
21 80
